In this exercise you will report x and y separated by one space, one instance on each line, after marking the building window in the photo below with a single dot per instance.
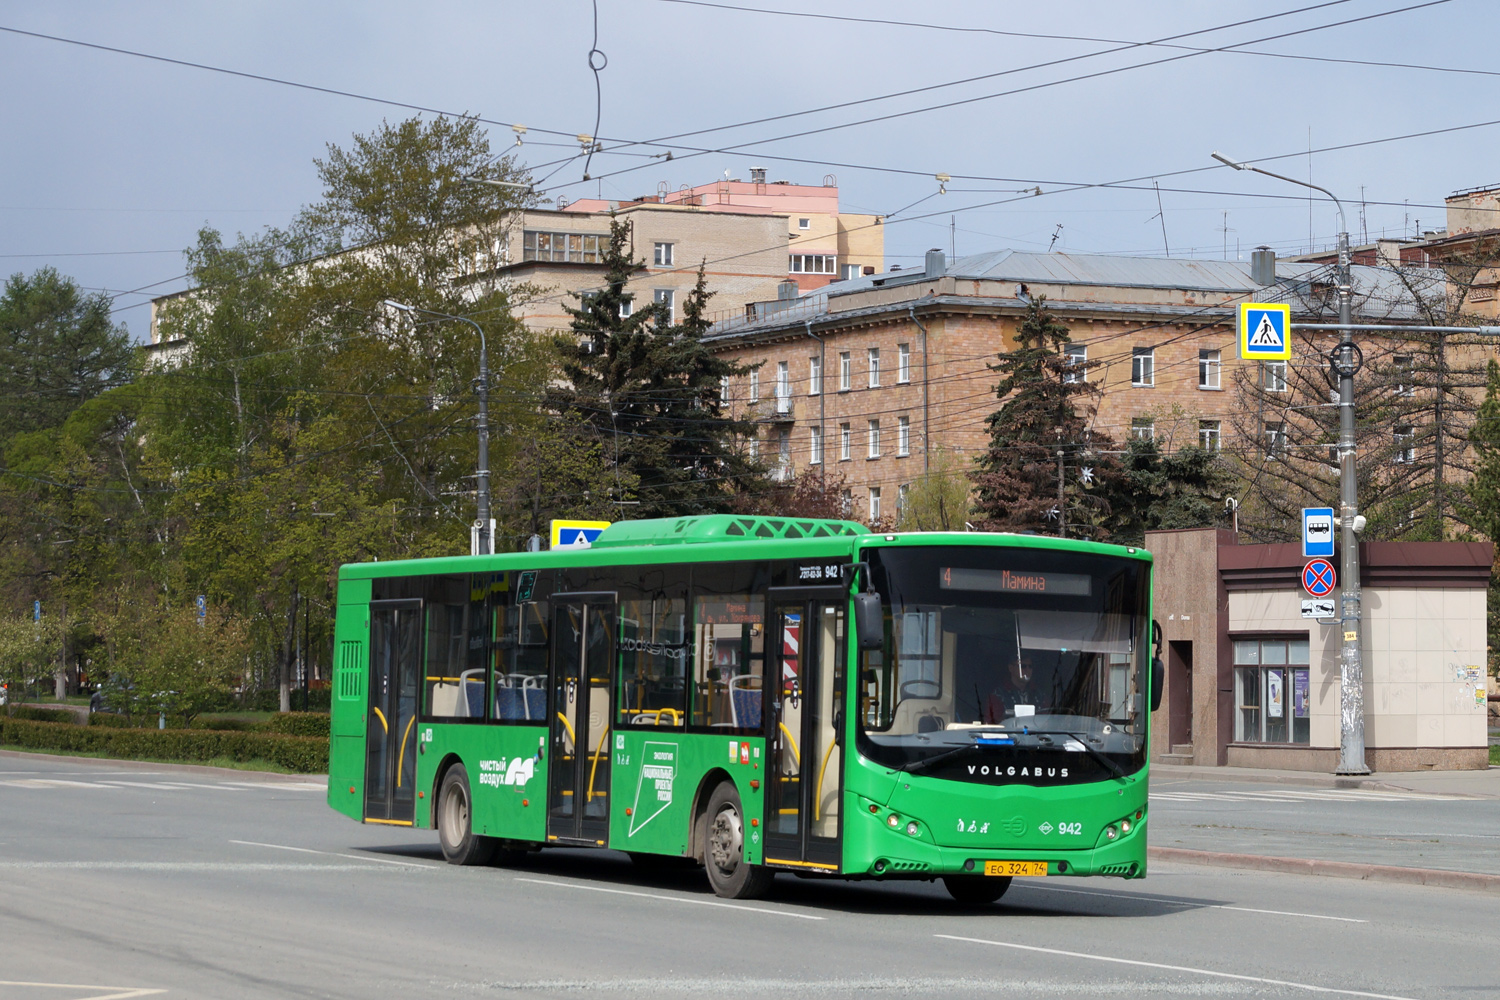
627 306
874 503
1208 435
1143 428
667 299
574 248
846 371
874 450
1406 444
874 356
903 492
1405 386
783 380
1143 366
1272 691
814 376
1075 361
846 442
903 435
847 271
903 362
755 386
813 263
724 389
815 446
1273 376
754 447
1208 369
1275 438
662 255
804 223
784 454
846 501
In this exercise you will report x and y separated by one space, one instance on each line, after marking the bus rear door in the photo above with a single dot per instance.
804 712
390 740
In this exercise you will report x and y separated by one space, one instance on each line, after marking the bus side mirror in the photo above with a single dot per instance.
869 628
1158 678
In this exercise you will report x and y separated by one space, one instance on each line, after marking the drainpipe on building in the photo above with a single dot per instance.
822 405
926 408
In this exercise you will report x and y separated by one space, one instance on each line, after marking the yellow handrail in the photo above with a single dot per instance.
676 715
595 765
381 716
796 754
403 748
818 789
569 726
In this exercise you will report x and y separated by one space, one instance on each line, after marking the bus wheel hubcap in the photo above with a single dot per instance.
726 844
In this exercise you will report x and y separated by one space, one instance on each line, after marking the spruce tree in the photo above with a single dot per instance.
1042 426
648 390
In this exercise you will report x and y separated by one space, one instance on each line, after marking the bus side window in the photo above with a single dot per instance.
654 652
729 669
455 651
520 663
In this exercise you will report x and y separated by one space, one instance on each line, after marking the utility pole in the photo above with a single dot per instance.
1345 365
485 544
1062 506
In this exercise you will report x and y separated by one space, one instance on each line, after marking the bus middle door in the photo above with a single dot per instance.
391 716
583 648
805 714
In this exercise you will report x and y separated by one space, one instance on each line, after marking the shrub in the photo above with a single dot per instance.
111 719
299 724
304 754
44 714
270 701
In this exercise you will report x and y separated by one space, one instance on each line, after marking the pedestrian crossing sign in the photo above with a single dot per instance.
576 534
1265 331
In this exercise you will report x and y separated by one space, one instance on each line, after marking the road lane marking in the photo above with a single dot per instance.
1187 903
1174 968
186 866
117 992
674 899
333 854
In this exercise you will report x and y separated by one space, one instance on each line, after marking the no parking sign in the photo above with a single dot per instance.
1319 578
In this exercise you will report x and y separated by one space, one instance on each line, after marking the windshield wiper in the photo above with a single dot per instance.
912 767
1082 741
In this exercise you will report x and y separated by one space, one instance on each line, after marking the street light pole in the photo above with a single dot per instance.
481 474
1351 659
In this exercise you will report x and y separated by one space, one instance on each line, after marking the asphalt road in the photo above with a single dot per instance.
126 881
1380 827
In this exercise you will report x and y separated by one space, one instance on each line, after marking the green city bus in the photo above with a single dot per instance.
759 694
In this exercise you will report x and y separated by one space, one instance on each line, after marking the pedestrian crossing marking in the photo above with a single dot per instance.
1266 335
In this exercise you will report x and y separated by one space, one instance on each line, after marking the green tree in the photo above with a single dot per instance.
1165 489
182 665
938 499
58 348
649 393
27 651
1041 441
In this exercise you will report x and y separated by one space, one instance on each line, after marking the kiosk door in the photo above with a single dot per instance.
390 743
805 709
583 644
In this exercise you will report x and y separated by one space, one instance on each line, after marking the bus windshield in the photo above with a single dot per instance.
998 650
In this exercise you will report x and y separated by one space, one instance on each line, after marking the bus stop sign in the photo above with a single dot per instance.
1318 577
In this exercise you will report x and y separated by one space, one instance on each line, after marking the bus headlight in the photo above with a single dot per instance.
1111 833
912 829
894 821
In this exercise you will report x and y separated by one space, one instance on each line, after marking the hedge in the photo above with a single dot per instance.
34 714
304 754
299 724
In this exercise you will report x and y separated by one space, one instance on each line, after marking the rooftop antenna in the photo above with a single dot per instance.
1162 215
1055 234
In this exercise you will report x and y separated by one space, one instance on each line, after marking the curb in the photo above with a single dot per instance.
270 776
1230 774
1336 869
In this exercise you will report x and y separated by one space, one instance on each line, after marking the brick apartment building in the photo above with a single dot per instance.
875 375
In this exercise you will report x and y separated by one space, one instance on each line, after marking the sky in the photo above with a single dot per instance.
110 163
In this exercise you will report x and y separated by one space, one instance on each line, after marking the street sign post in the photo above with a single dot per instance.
1317 532
1319 578
1265 331
576 534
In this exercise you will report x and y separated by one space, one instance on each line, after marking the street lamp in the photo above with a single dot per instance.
1351 662
482 474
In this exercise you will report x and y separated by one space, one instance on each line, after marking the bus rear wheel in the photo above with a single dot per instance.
729 874
461 845
976 890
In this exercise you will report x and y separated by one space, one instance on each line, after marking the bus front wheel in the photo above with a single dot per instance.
461 845
976 890
729 874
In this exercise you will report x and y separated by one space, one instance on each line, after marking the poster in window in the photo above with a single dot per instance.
1273 693
1299 694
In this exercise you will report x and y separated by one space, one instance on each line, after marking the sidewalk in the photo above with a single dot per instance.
1483 784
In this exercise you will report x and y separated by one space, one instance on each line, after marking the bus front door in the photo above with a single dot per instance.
390 740
583 637
805 709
